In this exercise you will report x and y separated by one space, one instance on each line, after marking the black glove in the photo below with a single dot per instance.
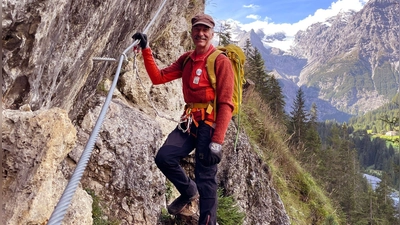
215 153
143 39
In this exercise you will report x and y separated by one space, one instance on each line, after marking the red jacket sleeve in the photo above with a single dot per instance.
161 76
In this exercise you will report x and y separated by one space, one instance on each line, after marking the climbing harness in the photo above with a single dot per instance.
195 112
62 205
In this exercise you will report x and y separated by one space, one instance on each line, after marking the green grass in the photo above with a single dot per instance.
304 199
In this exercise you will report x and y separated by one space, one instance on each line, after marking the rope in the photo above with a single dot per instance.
239 104
62 206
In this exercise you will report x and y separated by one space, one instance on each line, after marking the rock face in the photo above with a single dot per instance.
48 46
122 169
246 177
34 145
53 93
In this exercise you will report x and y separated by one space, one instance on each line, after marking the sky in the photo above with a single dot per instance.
273 16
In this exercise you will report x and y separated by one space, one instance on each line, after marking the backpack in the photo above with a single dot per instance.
237 58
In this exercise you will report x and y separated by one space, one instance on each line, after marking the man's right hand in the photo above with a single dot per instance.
143 39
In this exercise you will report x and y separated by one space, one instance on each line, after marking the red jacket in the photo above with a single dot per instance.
201 91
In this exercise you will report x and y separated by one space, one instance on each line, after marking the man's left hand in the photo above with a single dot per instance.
215 153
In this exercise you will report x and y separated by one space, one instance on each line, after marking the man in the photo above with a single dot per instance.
198 128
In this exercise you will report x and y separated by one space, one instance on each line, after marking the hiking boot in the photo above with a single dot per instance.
179 204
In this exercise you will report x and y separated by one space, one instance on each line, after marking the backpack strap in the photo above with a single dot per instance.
212 77
186 59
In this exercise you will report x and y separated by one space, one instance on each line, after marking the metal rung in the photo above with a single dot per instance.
103 59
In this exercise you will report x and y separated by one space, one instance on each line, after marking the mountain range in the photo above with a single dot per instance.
347 65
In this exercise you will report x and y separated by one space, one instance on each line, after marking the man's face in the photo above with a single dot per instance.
202 35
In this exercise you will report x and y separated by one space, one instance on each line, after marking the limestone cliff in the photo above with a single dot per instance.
52 95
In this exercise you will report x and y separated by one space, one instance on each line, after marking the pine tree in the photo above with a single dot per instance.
256 70
247 48
249 52
341 174
359 213
275 98
298 121
224 34
312 139
385 210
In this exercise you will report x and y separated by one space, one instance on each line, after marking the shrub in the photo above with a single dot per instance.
97 211
228 212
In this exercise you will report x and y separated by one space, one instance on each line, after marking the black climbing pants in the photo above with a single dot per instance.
177 146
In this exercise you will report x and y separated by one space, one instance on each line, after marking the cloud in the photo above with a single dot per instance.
254 17
322 14
251 6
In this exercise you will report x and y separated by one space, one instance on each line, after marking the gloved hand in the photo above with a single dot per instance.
143 39
215 153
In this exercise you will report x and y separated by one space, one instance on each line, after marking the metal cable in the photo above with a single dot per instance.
62 206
